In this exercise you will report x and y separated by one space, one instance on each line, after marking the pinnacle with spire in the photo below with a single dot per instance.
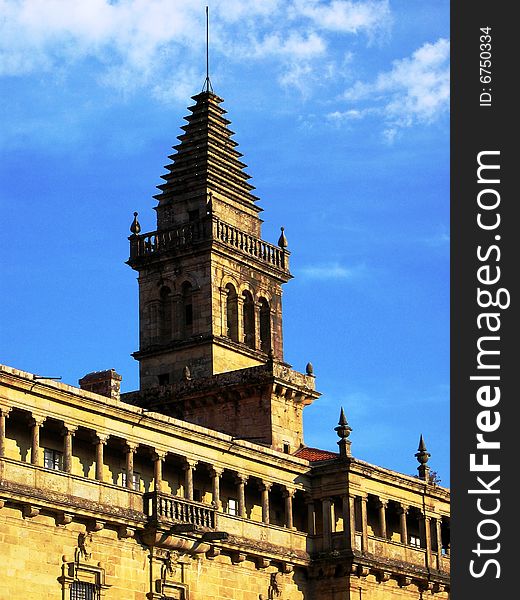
343 430
206 159
423 456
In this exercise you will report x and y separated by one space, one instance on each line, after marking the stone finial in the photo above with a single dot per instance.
186 373
422 456
343 430
309 369
282 240
135 228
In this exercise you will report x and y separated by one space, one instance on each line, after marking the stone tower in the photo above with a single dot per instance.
210 297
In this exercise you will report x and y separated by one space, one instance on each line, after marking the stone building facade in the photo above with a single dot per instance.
199 484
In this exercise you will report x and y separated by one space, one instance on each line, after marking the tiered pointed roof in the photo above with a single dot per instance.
206 158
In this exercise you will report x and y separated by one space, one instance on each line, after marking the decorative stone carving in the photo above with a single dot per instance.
275 586
83 549
169 566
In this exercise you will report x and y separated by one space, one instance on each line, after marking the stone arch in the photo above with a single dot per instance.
231 311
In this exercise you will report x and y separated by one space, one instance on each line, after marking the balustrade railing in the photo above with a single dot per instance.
249 244
162 507
204 229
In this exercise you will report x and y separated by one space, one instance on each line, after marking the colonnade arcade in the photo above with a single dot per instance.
74 449
349 520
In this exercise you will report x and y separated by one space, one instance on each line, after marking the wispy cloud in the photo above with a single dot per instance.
140 43
415 90
329 271
370 17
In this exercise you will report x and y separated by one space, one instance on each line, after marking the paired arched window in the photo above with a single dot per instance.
265 325
232 312
248 310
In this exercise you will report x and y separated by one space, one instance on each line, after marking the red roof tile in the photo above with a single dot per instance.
315 454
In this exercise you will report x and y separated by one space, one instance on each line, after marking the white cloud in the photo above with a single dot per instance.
370 17
329 271
415 90
135 44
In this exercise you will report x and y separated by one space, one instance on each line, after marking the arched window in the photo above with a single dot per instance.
187 308
249 319
166 315
232 312
265 325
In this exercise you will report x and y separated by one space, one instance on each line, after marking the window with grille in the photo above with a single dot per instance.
80 590
52 459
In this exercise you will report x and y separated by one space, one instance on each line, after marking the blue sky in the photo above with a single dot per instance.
341 111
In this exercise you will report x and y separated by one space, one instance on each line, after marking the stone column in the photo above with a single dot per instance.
326 504
188 467
288 494
311 516
158 458
241 481
4 412
36 423
426 530
403 511
349 523
100 441
68 432
223 311
382 517
438 535
130 451
265 486
240 319
364 524
257 326
216 474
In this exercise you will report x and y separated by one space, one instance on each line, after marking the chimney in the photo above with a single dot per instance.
106 383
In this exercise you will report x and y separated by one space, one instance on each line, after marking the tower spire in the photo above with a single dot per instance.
207 87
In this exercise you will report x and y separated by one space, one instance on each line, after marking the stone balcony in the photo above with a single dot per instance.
181 238
167 510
